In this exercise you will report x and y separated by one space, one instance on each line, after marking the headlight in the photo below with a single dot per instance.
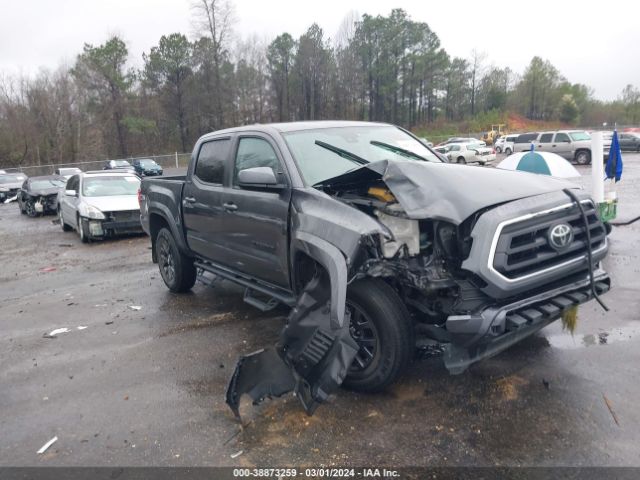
90 211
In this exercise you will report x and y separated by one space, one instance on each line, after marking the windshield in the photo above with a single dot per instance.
147 163
110 186
49 183
121 163
12 178
577 136
316 162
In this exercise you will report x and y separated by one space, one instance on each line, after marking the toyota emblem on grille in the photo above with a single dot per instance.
561 236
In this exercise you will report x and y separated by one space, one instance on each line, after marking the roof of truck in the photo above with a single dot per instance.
297 126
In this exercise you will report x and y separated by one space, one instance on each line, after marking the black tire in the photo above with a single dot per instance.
583 157
20 206
461 160
30 209
83 230
382 327
499 149
508 151
177 269
65 227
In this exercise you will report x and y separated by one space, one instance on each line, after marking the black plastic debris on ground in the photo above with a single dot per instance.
312 357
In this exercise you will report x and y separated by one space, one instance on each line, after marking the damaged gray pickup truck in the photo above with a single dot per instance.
374 243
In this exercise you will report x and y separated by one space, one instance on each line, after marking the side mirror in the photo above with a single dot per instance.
71 193
257 176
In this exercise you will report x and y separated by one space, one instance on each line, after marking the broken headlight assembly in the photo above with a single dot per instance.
89 211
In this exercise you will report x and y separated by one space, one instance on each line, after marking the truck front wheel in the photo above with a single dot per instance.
382 328
177 270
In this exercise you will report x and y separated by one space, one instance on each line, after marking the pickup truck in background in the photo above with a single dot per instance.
374 242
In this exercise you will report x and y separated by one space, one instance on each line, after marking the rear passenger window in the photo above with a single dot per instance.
211 160
546 137
254 152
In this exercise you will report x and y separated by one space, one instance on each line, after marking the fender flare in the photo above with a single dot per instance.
163 212
332 259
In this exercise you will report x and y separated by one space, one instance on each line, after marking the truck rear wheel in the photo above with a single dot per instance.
382 328
177 270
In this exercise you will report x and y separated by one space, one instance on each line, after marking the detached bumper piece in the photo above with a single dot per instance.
496 329
312 357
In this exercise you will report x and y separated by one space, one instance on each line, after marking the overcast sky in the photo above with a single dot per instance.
597 46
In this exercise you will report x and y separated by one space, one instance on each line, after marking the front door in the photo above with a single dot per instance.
255 224
202 200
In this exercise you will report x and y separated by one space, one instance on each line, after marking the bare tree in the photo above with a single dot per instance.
214 19
476 64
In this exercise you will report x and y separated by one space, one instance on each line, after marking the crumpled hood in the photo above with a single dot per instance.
446 191
114 203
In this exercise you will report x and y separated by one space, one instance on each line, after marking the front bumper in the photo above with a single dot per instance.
105 228
479 336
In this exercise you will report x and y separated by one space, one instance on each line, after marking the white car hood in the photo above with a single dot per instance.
114 203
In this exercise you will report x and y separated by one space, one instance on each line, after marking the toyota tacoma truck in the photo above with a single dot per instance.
374 243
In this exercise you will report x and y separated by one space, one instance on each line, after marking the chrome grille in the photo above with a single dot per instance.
523 247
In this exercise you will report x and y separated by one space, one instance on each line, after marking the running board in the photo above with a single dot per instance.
263 305
279 294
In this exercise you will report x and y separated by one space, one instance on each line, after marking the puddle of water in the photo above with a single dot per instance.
567 341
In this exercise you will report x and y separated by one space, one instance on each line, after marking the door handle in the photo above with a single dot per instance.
230 207
553 145
189 199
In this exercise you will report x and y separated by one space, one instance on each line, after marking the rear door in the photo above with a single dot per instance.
202 199
562 145
545 142
255 219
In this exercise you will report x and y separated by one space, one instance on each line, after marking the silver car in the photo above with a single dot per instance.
99 205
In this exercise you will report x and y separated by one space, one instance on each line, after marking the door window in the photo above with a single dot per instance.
546 137
211 160
562 137
254 152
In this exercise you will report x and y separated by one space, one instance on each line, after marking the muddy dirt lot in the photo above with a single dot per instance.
146 386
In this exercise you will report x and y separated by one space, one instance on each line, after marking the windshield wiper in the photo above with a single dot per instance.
398 150
343 153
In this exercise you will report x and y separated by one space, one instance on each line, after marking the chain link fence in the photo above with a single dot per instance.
174 160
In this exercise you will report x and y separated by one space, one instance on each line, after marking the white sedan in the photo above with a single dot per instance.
99 205
469 153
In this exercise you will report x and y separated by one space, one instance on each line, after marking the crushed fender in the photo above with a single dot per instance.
312 357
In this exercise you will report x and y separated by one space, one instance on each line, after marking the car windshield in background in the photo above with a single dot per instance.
110 186
317 162
147 163
44 184
577 136
12 178
474 146
121 163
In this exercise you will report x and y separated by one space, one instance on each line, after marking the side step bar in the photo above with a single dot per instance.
279 294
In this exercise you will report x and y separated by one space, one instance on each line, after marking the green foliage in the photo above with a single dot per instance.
139 125
568 109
